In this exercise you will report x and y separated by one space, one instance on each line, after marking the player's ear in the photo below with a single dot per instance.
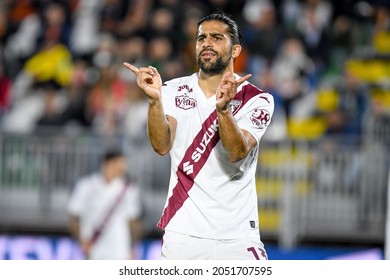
236 50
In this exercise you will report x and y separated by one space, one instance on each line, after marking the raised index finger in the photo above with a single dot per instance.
243 79
133 69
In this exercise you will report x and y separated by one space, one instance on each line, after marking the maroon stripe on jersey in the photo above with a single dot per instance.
188 169
204 142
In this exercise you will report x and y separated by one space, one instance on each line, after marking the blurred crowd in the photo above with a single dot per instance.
61 61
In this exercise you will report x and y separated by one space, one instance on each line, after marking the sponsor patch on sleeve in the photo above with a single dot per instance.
260 118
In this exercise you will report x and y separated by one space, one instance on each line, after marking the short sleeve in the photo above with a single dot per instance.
168 101
257 116
78 197
133 202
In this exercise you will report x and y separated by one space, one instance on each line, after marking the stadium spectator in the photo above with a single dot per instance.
123 18
85 35
107 98
292 74
313 26
261 34
49 23
352 109
77 113
162 25
54 106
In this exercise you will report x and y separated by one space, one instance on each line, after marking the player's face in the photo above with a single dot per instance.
213 47
115 167
120 166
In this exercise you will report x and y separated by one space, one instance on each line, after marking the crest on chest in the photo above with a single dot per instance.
235 105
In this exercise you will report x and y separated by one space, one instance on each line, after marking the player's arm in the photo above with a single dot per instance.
74 226
136 234
161 128
236 141
75 231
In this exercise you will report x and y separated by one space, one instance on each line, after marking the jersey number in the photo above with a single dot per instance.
256 254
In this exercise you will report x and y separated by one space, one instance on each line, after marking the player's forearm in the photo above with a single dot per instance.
159 131
136 231
74 227
232 138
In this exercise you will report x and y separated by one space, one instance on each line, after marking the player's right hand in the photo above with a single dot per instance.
86 247
148 79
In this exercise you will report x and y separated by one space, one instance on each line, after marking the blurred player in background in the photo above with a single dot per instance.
104 211
211 123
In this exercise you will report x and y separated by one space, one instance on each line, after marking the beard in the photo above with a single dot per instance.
214 68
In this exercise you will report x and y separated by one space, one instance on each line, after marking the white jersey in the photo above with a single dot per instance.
208 195
91 200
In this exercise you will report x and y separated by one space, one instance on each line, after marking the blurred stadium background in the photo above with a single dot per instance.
323 173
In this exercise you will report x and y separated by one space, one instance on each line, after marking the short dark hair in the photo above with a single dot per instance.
111 154
233 29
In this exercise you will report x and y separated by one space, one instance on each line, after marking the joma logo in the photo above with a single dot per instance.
184 87
185 102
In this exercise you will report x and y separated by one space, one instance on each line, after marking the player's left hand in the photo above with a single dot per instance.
227 89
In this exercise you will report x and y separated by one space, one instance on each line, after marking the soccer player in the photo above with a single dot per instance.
104 211
211 123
